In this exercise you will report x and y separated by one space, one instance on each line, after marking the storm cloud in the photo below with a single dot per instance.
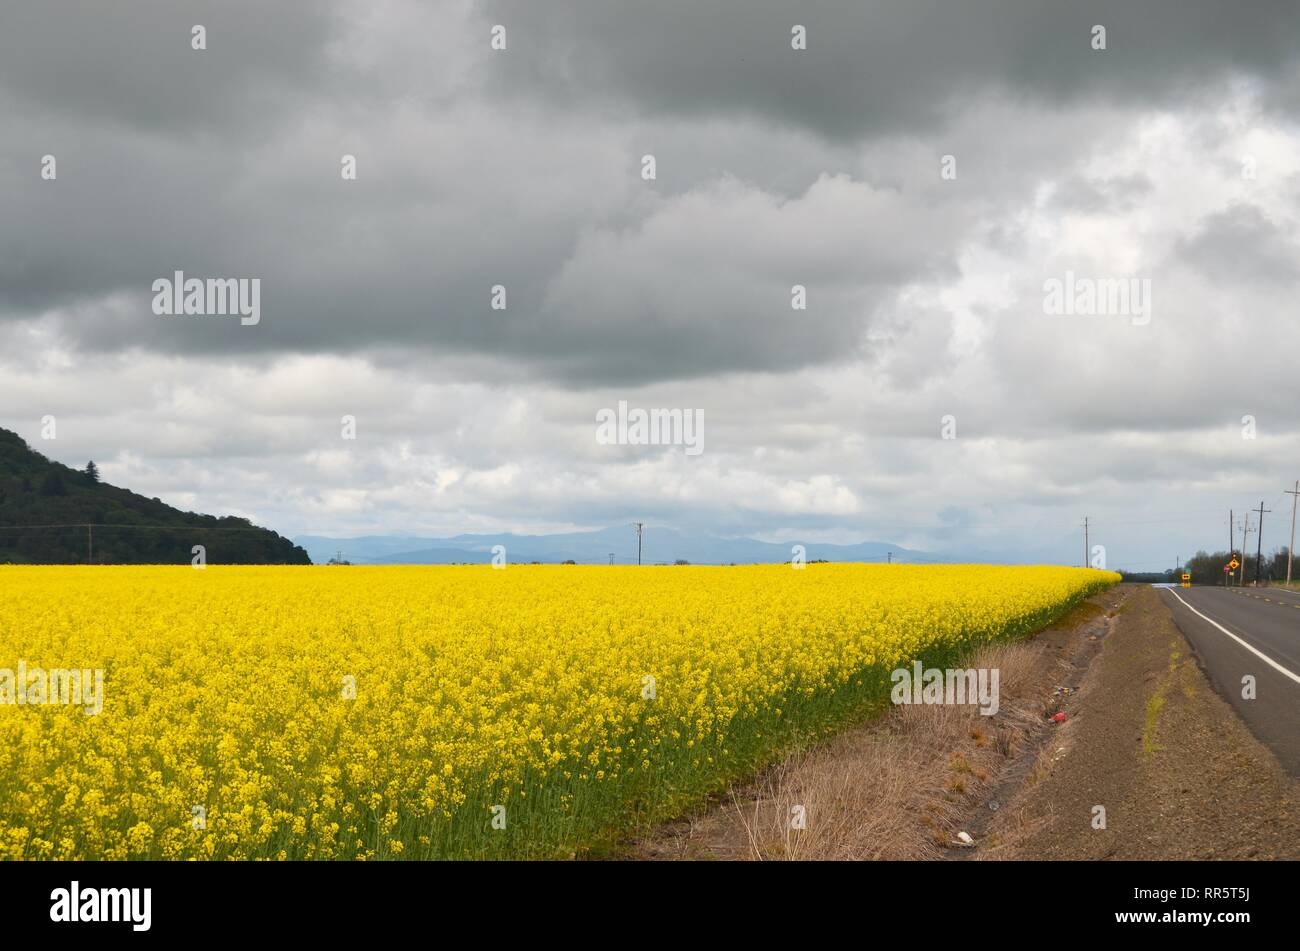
1172 155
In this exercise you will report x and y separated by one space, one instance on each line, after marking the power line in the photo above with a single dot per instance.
1189 517
1295 496
1259 549
90 527
1245 530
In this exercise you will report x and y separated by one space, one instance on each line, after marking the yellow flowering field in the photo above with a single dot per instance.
444 712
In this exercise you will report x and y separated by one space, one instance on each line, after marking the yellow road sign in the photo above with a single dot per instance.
1234 564
1186 576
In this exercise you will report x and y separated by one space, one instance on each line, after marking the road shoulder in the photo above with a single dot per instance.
1178 773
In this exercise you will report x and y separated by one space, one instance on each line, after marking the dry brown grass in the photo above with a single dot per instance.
899 788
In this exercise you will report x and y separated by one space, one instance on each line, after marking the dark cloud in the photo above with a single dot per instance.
225 163
132 63
880 67
775 168
1243 245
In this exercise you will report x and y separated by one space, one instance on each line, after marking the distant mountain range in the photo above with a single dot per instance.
53 514
659 546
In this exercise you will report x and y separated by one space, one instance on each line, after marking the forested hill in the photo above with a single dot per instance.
46 508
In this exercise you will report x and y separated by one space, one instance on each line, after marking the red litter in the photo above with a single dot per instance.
1058 717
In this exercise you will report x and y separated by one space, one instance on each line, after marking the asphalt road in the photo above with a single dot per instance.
1238 632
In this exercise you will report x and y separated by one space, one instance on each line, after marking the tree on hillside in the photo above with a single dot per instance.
92 472
52 484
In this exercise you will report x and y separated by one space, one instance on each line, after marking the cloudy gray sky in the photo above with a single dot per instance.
1173 155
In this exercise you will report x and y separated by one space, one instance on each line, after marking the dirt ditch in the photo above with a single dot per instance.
1142 736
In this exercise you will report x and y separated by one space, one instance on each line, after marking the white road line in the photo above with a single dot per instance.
1260 654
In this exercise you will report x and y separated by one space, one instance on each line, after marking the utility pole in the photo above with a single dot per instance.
889 557
1259 549
1295 495
1227 574
1085 541
90 544
1241 569
611 557
638 540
